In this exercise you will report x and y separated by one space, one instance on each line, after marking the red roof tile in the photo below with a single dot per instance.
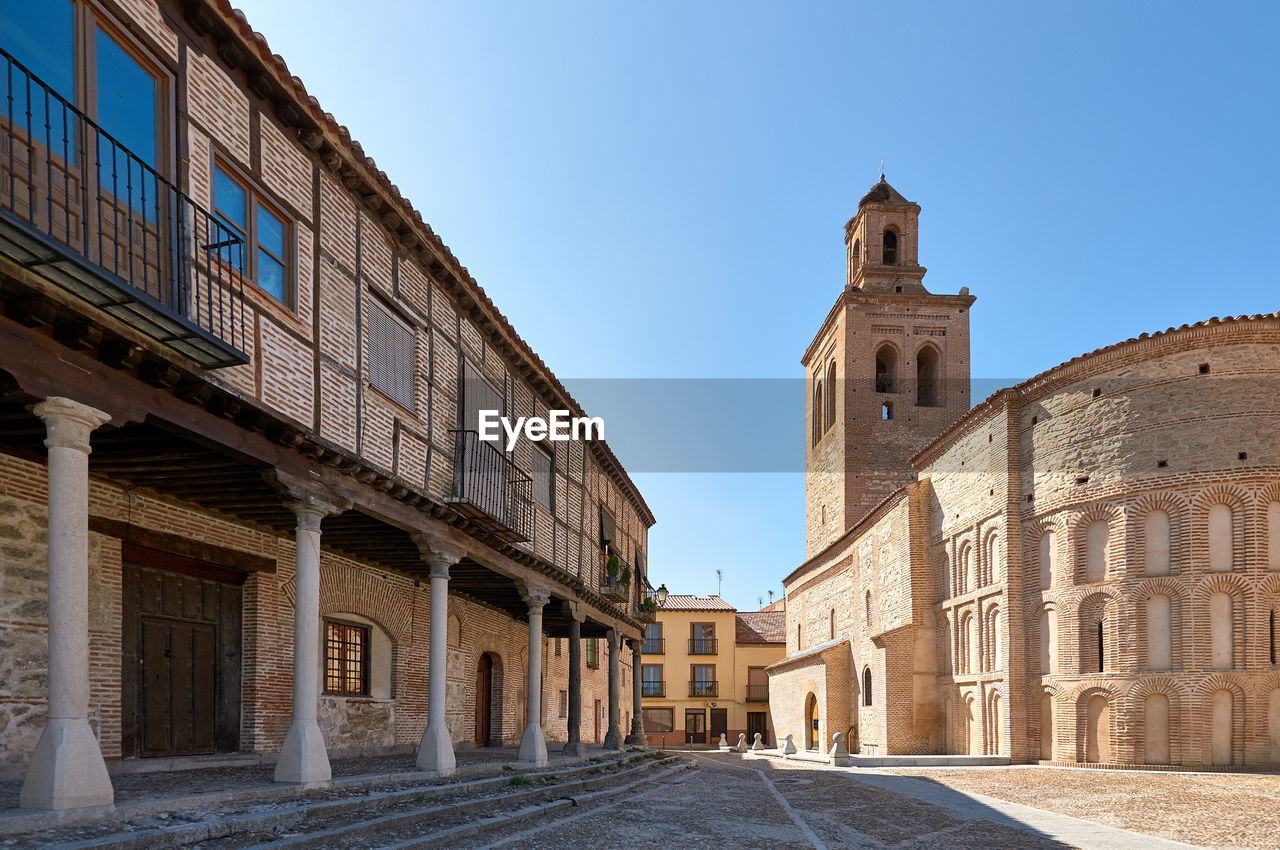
761 627
686 602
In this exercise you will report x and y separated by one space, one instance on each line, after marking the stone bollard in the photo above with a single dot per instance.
742 743
758 744
724 743
788 746
839 752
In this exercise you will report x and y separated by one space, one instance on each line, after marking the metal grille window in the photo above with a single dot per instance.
544 478
346 659
392 352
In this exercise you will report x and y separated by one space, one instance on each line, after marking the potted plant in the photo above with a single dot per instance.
618 578
647 610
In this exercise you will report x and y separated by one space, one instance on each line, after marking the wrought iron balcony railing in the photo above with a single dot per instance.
702 646
87 214
613 587
491 489
654 646
703 688
757 693
653 689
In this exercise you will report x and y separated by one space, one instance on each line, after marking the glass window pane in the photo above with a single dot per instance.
126 99
270 275
42 37
229 199
270 232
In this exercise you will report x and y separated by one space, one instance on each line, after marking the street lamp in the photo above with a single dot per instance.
660 595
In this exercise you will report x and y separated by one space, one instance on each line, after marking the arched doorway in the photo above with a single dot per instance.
811 722
484 700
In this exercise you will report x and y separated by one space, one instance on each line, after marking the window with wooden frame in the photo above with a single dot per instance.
658 719
391 351
564 703
593 653
259 251
346 659
544 478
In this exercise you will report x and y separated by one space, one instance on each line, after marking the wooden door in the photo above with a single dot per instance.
695 726
719 724
756 722
484 697
181 630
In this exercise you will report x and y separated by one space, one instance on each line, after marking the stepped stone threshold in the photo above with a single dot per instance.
159 808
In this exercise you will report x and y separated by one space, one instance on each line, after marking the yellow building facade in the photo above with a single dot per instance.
703 672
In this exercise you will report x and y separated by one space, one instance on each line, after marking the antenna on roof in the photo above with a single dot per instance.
883 158
760 601
771 597
717 582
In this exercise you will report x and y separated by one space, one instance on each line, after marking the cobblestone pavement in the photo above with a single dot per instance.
729 803
1211 809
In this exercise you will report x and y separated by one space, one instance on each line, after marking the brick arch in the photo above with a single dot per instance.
989 636
1198 545
1206 690
1178 510
1179 621
993 725
497 695
1136 716
987 557
1241 599
946 583
358 590
1078 529
1081 698
1033 533
960 566
1100 606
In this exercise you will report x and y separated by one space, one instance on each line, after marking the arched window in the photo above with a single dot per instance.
1159 632
833 624
890 248
1221 534
866 686
1221 623
799 636
868 605
1096 550
830 411
818 409
991 554
1046 560
1047 626
855 256
887 369
927 394
1157 549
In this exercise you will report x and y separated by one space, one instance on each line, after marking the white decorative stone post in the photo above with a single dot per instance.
613 738
303 758
533 744
789 746
636 737
435 753
839 752
758 744
741 746
67 770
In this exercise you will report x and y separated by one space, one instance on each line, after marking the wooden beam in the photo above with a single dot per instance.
174 544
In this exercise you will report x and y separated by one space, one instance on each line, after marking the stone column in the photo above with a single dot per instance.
575 747
613 738
435 753
533 745
636 737
67 770
303 758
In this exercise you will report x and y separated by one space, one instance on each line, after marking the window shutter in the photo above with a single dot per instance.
392 353
608 531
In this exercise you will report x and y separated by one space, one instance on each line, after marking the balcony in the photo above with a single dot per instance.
613 587
492 490
653 689
654 646
758 693
703 646
703 688
89 216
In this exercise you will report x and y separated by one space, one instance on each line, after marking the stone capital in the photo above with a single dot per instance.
634 645
439 553
577 611
68 423
534 595
309 500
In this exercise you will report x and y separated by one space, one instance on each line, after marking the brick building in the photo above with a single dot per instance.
704 671
1084 568
243 508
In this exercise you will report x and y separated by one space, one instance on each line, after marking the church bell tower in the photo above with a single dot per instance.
886 373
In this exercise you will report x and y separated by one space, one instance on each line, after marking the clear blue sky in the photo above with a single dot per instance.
657 190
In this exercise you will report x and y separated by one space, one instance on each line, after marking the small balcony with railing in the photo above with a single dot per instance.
654 646
84 213
704 688
649 688
758 693
615 577
491 489
703 646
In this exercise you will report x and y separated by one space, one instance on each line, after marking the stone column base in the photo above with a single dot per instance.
613 739
66 770
636 737
303 758
533 746
435 753
575 749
